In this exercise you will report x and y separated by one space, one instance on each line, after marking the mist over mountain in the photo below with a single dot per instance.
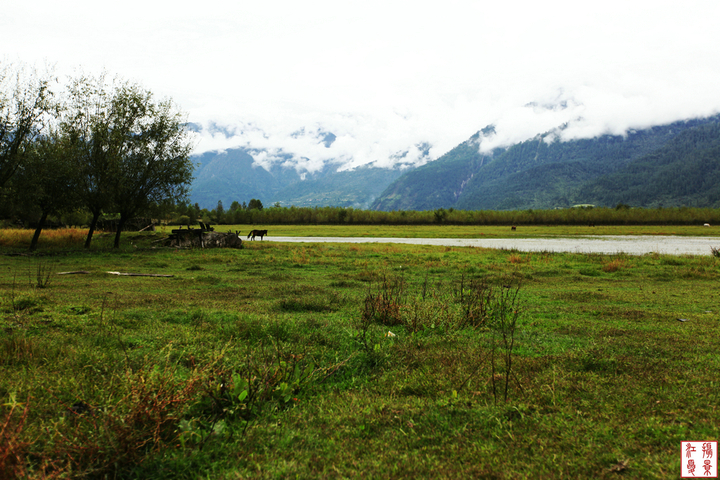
667 165
236 175
640 167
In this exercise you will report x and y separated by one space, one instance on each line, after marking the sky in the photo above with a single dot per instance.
384 77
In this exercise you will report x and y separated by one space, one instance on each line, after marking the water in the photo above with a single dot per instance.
608 244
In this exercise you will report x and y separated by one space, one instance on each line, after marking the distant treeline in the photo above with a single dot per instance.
277 215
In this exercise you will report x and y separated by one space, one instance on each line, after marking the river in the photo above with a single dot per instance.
607 244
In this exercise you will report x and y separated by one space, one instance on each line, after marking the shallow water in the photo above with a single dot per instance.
629 244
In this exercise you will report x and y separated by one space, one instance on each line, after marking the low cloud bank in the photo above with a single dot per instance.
401 138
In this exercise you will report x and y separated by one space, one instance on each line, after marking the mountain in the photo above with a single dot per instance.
686 171
350 188
230 176
233 175
437 183
643 168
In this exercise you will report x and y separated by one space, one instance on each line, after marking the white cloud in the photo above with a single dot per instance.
384 76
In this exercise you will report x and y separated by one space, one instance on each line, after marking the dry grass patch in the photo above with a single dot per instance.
515 258
613 265
62 237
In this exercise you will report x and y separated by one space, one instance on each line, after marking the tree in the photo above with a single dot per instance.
25 97
94 133
132 154
47 179
152 162
255 204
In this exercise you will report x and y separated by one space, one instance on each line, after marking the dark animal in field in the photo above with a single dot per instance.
259 233
591 224
513 227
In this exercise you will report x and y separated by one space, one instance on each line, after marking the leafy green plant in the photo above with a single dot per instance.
269 379
13 448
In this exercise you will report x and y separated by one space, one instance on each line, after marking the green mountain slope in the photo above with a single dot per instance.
539 173
232 176
684 172
356 188
436 184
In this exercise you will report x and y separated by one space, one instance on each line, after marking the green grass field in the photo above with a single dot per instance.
342 361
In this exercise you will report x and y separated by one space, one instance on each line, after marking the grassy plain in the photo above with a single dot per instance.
275 361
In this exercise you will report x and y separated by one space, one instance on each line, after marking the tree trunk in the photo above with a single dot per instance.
41 223
121 223
93 224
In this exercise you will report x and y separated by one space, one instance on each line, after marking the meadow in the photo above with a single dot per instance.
342 361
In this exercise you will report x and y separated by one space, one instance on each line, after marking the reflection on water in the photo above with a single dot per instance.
629 244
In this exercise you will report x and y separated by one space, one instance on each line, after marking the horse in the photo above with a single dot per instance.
259 233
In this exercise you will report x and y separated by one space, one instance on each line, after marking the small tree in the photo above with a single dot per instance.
131 153
255 204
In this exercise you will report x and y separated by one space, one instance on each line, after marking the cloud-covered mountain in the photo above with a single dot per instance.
500 167
669 165
274 176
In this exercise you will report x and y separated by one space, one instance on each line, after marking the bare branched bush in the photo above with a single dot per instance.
384 305
475 297
141 415
42 275
504 315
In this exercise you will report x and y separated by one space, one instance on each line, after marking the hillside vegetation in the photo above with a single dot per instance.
233 175
670 165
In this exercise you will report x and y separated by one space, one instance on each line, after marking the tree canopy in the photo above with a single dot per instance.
151 152
104 147
25 98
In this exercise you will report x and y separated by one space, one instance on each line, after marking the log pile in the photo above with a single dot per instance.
205 237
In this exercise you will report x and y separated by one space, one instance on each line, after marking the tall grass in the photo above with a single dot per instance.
60 238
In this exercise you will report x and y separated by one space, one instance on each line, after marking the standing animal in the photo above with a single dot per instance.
259 233
513 227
